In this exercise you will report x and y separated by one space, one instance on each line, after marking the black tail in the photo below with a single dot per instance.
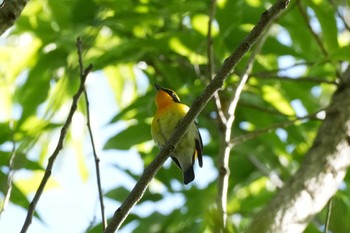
188 175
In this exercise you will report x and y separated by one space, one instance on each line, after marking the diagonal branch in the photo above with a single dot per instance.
341 16
10 10
313 33
136 194
273 175
59 146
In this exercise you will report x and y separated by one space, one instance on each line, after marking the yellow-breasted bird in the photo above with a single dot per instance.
170 112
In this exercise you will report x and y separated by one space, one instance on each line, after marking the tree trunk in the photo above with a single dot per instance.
320 175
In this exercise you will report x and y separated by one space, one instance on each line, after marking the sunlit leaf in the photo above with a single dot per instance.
274 97
325 15
129 137
30 184
20 161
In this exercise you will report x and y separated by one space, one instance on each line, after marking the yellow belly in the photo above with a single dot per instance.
163 126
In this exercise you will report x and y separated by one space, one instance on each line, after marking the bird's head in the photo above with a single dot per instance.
165 96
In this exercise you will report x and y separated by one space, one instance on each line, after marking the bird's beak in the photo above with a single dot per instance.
157 86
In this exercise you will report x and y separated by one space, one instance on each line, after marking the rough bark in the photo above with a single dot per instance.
320 175
10 11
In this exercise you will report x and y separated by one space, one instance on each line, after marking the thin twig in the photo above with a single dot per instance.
275 71
245 76
198 105
307 22
259 132
97 162
92 222
96 157
274 178
340 15
329 211
210 52
59 146
300 79
316 37
11 171
211 63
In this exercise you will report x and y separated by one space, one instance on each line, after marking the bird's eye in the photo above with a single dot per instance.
173 95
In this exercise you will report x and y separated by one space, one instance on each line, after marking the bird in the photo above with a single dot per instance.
170 111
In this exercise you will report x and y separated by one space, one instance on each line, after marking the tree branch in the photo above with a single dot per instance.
225 145
307 22
259 132
286 68
273 176
319 176
10 10
300 79
11 171
329 211
97 162
230 62
96 157
340 15
211 64
59 145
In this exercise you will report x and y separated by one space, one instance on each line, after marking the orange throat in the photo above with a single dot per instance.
163 100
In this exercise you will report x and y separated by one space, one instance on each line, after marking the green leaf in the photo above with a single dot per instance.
5 132
83 12
340 214
139 109
131 136
274 97
118 194
341 54
20 161
303 42
325 14
17 197
36 88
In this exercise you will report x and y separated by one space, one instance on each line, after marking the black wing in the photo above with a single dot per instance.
199 148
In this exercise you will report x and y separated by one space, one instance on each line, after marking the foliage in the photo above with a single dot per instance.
137 43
